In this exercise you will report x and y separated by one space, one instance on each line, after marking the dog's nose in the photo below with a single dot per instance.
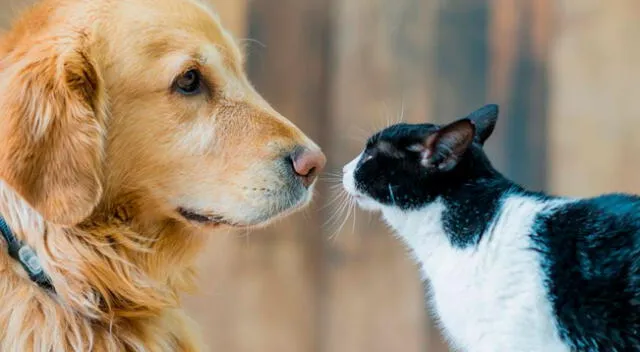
308 164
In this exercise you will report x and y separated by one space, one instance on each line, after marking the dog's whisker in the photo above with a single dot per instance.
305 214
252 41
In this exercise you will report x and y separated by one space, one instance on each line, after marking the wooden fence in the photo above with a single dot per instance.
566 73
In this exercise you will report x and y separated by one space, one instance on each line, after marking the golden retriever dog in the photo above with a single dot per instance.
129 134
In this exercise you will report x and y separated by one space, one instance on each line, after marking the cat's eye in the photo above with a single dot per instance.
416 148
189 83
366 157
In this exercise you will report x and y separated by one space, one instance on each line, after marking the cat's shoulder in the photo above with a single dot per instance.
606 222
615 203
615 209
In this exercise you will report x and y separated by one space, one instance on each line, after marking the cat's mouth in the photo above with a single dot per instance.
357 197
363 201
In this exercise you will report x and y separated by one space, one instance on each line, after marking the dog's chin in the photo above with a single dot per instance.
285 208
205 218
273 210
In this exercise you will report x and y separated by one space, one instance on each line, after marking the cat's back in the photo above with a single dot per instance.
590 251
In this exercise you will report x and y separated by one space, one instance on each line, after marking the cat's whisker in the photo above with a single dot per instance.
342 198
388 121
393 198
357 138
385 113
400 118
381 121
349 209
331 175
360 135
334 218
335 173
333 184
248 41
332 201
355 212
332 180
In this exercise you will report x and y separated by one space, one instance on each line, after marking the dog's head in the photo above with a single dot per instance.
144 101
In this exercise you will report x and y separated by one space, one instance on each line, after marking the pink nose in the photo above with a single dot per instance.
307 164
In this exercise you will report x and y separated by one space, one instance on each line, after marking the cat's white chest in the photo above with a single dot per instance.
490 297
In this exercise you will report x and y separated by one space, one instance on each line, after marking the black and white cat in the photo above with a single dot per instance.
510 269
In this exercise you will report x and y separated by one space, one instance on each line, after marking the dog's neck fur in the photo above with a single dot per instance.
107 295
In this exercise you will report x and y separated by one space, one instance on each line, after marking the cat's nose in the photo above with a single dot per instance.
307 164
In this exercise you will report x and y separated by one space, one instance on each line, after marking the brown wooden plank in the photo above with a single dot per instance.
462 58
519 34
383 59
9 9
496 51
595 110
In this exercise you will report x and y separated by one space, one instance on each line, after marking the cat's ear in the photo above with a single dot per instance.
444 148
485 120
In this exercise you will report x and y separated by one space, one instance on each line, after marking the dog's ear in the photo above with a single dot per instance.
52 128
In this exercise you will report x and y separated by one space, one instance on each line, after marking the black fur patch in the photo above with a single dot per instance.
591 252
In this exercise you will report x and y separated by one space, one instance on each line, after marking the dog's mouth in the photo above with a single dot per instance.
205 219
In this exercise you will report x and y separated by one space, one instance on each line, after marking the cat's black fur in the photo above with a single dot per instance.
592 258
590 248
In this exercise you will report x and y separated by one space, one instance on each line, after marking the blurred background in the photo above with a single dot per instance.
567 76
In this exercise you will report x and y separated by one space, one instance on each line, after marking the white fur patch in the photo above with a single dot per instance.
487 298
490 297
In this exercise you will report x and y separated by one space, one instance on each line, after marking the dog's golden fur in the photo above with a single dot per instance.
97 153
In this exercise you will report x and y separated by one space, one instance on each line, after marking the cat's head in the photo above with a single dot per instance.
410 165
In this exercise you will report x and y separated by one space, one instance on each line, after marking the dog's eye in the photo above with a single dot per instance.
189 83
